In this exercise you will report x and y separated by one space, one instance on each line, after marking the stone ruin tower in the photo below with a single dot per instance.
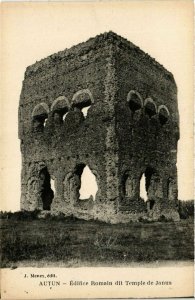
131 130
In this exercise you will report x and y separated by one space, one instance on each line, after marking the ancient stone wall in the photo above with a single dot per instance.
131 129
147 131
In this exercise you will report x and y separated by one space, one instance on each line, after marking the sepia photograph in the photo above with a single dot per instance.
97 149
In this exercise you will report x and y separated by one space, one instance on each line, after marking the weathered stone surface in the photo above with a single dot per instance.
131 129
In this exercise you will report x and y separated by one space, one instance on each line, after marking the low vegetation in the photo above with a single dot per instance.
27 238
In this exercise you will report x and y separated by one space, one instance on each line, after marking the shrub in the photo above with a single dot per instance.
186 209
5 214
19 215
163 219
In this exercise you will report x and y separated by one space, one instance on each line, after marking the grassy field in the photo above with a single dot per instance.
89 243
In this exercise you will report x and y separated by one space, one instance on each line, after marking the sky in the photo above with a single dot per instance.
32 31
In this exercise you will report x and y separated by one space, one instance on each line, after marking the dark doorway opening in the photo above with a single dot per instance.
151 204
148 174
47 194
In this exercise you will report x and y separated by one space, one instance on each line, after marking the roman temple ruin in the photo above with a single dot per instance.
106 105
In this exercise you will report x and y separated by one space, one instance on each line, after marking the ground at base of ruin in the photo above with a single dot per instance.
79 243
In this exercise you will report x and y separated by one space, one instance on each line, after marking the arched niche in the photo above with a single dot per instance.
171 189
150 107
39 116
128 185
40 192
134 100
82 100
60 108
163 114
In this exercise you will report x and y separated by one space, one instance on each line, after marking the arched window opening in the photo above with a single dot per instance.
134 100
163 115
82 100
47 194
60 115
60 108
89 185
150 108
134 103
84 106
40 116
39 122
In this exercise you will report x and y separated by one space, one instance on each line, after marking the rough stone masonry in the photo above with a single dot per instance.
131 129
